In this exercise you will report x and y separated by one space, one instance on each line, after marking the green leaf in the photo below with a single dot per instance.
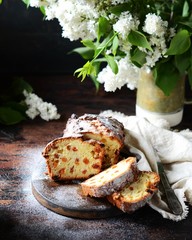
187 24
138 39
138 57
106 43
17 106
104 27
9 116
180 43
118 9
1 1
86 70
93 77
185 12
112 63
42 9
166 77
19 85
96 83
89 44
26 2
115 45
102 59
98 51
85 52
182 61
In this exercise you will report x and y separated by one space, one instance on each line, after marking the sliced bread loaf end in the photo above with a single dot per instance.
135 195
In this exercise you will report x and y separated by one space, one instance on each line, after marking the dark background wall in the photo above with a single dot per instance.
31 45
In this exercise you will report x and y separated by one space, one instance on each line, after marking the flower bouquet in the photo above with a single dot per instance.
121 37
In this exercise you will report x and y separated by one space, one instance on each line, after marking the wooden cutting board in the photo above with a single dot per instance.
67 199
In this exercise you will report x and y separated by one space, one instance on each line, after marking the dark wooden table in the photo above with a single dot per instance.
21 215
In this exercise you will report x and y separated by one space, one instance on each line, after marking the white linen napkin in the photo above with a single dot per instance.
173 149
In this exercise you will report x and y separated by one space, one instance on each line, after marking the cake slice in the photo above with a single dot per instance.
136 194
112 179
73 158
107 130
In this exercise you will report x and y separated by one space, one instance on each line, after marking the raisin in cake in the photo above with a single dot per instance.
107 130
73 158
112 179
135 195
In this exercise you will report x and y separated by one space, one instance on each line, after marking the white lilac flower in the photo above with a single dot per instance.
157 29
116 2
153 57
37 3
158 44
162 45
40 3
48 111
128 74
155 25
125 46
36 106
159 49
125 24
32 113
172 33
78 19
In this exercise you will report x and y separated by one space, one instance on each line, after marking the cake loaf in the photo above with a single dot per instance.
112 179
73 158
107 130
136 194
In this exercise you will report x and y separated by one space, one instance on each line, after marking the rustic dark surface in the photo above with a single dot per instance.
67 199
21 215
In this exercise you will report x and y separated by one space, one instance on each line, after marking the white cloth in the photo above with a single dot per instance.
173 149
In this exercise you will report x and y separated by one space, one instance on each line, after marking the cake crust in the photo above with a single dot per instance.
107 130
135 195
112 179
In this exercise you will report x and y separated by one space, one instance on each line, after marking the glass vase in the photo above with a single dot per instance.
152 103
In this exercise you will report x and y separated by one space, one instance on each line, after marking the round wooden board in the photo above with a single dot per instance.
67 199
